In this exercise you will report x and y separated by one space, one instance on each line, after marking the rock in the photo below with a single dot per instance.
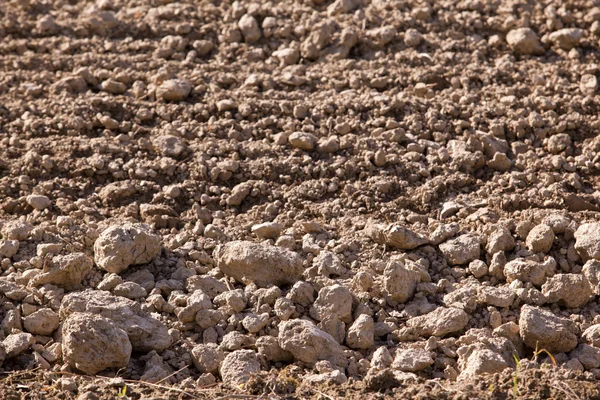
388 378
303 140
174 90
92 343
341 7
207 357
570 290
145 332
120 246
113 86
8 248
541 329
44 249
528 271
236 340
481 361
524 41
16 343
250 29
478 268
592 335
461 250
263 265
381 358
42 322
16 230
267 230
412 360
587 241
333 326
238 367
500 240
288 56
38 201
268 347
403 238
333 301
327 264
309 344
496 296
588 84
440 322
254 323
66 271
399 281
238 194
155 369
587 355
226 105
412 38
566 38
361 333
540 239
131 290
169 146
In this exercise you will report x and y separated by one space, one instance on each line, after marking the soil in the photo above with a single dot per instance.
324 117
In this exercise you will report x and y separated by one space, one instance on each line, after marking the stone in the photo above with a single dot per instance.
264 265
588 356
44 249
591 271
174 90
328 263
588 84
250 29
478 268
38 201
403 238
592 335
237 196
381 358
440 322
92 343
412 360
66 271
399 281
524 41
540 239
239 366
303 140
254 323
496 296
168 146
384 379
570 290
16 230
155 369
42 322
131 290
461 250
120 246
566 38
587 241
236 340
309 344
500 240
17 343
412 38
361 334
8 248
333 301
207 357
145 332
267 230
528 271
541 329
287 56
113 86
481 361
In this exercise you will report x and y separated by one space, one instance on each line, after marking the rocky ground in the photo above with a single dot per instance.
292 199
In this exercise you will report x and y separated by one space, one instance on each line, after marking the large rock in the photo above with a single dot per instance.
145 332
399 281
65 271
333 301
540 328
120 246
524 41
570 290
239 366
440 322
263 265
461 250
92 343
528 271
587 241
309 344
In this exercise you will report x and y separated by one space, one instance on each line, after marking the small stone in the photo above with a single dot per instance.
267 230
66 271
39 202
440 322
8 248
528 271
309 344
496 296
16 230
542 329
570 290
500 240
250 29
254 323
92 343
499 162
587 241
113 86
120 246
587 355
239 366
131 290
412 360
303 140
17 343
588 84
333 301
207 357
42 322
288 56
403 238
226 105
461 250
540 239
478 268
174 90
381 358
268 347
361 333
169 146
399 281
592 335
481 361
566 38
524 41
412 38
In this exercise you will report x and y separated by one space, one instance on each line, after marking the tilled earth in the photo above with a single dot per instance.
292 199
